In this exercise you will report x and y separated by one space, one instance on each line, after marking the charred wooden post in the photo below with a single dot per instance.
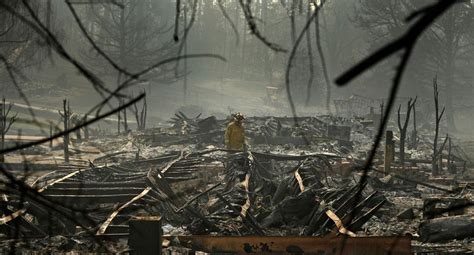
389 153
438 116
403 129
6 121
145 235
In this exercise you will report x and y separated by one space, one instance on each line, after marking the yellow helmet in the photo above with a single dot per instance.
239 116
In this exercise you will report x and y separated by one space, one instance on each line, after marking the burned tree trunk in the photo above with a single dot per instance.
381 112
403 129
414 133
389 152
140 116
438 117
451 166
310 59
119 114
51 134
125 121
65 115
6 121
86 128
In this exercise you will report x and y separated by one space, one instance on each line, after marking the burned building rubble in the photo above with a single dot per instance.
294 181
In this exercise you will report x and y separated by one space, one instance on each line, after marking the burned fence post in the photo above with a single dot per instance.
65 115
389 150
145 235
6 121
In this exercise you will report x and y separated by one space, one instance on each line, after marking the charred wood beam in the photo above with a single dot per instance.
92 191
358 222
196 197
341 210
247 219
357 209
62 179
169 196
415 181
267 156
91 199
168 166
349 193
90 185
107 222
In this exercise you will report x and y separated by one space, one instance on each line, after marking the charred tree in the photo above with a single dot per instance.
86 128
6 122
414 133
310 59
438 117
125 121
140 116
66 115
119 114
403 129
51 134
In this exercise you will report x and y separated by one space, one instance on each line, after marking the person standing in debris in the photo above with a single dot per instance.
235 134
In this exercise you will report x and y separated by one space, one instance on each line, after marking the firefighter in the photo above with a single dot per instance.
235 133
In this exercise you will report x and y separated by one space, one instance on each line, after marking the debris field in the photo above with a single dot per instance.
295 181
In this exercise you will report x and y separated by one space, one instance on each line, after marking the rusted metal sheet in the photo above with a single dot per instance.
298 245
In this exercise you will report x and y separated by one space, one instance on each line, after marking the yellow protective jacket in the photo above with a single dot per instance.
234 137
